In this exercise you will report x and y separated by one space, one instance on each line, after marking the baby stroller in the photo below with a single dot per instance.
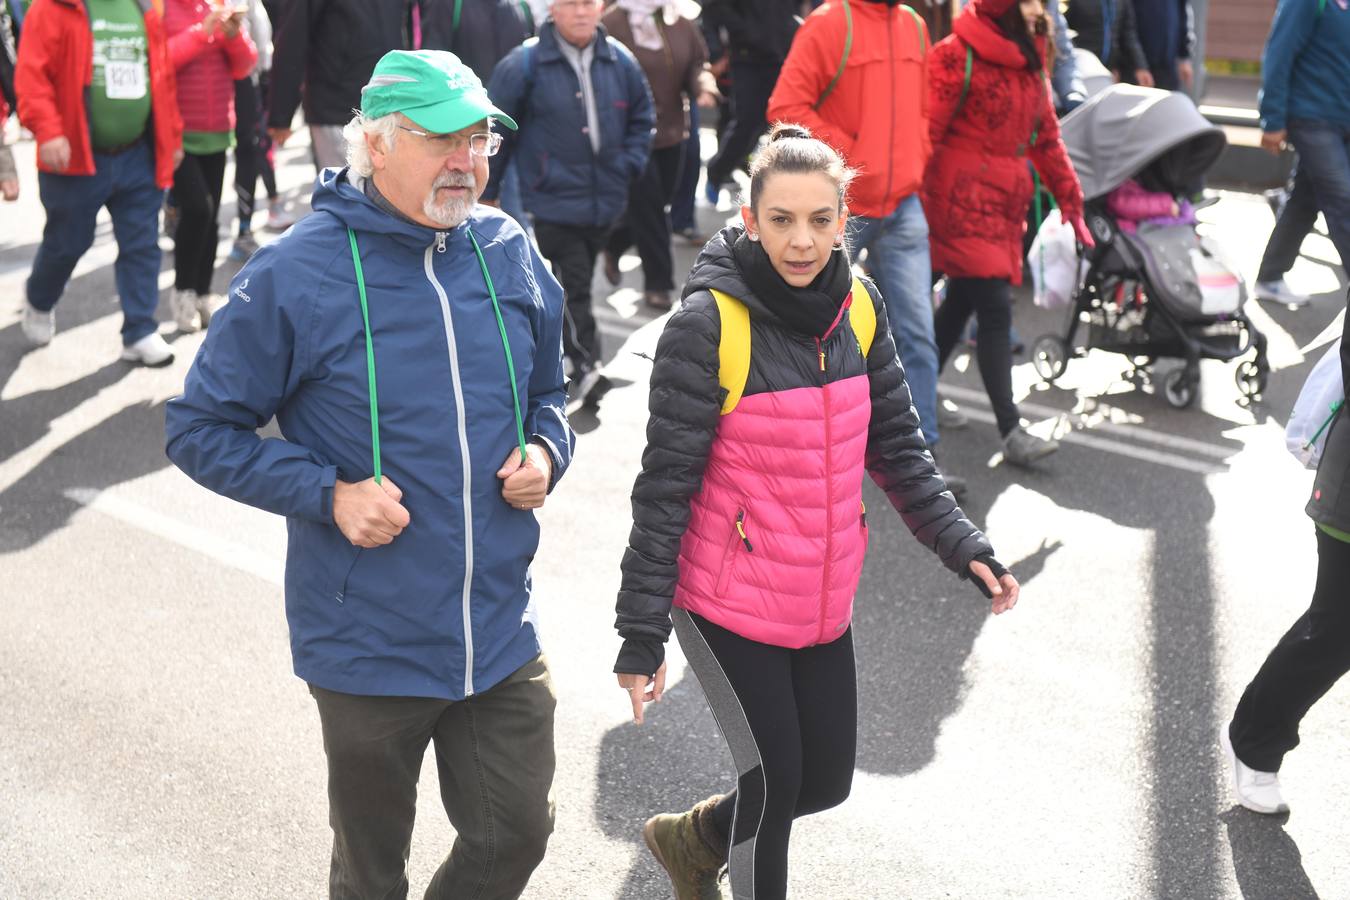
1165 291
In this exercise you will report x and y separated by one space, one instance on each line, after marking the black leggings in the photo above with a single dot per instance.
1308 660
647 223
790 718
990 299
252 145
196 189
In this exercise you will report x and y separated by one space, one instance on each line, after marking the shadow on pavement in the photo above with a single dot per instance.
1265 858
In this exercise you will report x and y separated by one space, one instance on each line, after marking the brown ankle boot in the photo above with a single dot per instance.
691 850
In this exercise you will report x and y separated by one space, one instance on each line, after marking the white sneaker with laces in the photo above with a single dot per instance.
1258 791
150 350
38 326
1022 448
1280 292
185 314
278 219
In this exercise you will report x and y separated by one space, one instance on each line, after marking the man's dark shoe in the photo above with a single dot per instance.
657 299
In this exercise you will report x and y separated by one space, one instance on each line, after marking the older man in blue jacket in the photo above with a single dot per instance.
408 343
586 123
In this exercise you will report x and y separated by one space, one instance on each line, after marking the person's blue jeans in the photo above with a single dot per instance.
125 183
682 206
1296 219
1324 152
897 254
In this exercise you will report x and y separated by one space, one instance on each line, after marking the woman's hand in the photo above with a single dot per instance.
1004 590
1082 232
637 688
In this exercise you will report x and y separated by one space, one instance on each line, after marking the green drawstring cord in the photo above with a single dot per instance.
1335 408
370 351
370 358
501 326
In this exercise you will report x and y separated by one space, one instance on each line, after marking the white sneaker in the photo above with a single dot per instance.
1280 292
1258 791
278 219
150 350
1022 448
206 305
185 314
38 326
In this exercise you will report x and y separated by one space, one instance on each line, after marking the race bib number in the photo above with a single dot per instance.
124 80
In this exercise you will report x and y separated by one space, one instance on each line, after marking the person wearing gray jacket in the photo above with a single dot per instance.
1314 654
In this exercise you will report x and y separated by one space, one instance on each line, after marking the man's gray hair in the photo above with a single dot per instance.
354 133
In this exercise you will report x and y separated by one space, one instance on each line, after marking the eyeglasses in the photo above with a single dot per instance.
483 143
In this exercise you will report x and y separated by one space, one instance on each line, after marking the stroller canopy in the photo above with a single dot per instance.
1157 137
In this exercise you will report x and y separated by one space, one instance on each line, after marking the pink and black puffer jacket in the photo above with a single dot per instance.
754 520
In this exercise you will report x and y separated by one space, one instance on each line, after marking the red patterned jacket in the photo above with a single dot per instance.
977 186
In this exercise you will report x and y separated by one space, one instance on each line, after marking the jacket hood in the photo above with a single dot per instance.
976 25
716 269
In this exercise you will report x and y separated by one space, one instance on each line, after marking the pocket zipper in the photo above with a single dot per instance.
740 529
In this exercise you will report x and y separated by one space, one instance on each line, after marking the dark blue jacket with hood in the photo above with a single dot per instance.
445 610
562 179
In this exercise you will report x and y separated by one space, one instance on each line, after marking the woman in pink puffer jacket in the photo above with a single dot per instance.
749 529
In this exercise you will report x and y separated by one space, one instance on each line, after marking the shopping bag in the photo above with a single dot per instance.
1054 263
1316 408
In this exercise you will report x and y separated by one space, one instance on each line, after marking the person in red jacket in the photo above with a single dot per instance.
97 91
876 115
210 51
990 110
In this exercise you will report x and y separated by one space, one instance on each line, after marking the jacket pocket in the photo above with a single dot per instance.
738 542
340 595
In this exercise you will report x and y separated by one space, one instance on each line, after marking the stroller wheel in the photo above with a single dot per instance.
1179 388
1250 378
1050 356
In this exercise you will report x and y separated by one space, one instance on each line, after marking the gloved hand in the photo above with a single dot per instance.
1081 231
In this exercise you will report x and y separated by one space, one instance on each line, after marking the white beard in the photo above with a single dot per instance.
454 211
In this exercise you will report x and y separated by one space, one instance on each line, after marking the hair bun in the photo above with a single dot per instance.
784 130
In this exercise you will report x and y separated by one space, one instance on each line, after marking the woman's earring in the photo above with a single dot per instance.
839 243
753 237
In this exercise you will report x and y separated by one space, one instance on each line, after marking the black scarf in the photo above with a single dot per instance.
810 310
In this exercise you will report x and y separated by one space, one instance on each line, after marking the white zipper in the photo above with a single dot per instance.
439 247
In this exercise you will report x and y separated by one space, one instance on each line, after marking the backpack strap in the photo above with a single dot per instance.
733 348
965 85
862 315
843 61
920 27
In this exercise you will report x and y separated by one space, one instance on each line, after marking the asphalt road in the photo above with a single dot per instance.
154 743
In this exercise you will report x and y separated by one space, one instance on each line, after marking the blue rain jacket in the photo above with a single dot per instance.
445 609
1305 70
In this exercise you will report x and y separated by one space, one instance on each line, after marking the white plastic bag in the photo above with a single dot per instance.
1322 396
1054 262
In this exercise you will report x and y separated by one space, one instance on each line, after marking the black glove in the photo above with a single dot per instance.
994 565
639 656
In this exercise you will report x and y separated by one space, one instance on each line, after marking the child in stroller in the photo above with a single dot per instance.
1153 288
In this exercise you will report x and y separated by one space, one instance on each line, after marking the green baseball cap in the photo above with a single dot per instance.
431 87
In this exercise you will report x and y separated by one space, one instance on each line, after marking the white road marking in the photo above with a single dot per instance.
206 543
1137 432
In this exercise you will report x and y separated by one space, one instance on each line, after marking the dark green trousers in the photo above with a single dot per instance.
495 758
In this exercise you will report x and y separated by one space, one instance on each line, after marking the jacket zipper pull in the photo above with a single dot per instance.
440 242
821 350
740 528
864 514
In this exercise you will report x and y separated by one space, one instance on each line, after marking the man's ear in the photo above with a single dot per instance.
379 153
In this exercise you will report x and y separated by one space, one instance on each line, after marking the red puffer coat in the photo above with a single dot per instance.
208 65
977 186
